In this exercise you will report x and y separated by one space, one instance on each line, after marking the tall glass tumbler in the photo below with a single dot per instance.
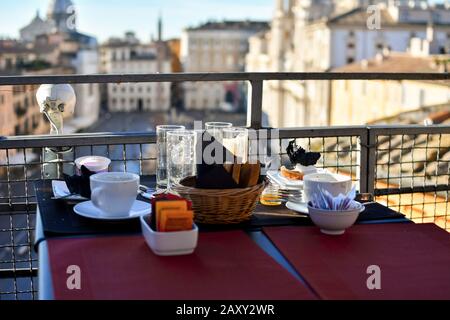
236 140
161 165
215 129
181 155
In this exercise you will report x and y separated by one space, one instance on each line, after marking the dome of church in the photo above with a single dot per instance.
58 7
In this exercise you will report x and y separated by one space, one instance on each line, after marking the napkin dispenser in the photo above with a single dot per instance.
169 243
220 169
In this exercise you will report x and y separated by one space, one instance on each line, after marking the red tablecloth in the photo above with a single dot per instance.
414 260
226 265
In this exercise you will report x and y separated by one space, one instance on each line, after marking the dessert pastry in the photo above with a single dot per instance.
291 174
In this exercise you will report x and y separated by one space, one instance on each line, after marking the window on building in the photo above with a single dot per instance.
17 130
35 121
132 89
350 60
9 63
422 98
149 89
113 102
26 126
364 88
403 95
123 102
350 45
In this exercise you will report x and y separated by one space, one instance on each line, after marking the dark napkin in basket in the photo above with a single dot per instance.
80 184
214 176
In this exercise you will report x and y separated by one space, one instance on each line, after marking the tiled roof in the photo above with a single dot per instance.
396 63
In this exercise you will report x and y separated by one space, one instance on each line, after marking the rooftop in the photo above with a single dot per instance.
399 63
359 16
232 25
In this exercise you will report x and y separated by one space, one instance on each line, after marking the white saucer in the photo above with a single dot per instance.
298 207
88 210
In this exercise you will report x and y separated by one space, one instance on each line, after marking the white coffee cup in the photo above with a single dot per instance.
114 193
335 184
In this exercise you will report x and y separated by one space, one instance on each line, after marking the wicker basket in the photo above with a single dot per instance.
220 206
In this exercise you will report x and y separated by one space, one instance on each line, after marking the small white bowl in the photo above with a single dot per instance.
170 243
334 222
93 163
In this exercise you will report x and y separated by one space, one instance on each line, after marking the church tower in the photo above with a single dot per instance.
62 14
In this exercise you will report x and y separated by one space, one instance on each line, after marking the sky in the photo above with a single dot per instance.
105 18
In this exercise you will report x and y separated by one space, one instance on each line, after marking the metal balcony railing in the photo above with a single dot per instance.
405 167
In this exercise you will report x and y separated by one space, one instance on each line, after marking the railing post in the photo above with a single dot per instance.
371 159
254 110
368 161
363 161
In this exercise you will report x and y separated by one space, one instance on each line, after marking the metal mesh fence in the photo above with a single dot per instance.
412 175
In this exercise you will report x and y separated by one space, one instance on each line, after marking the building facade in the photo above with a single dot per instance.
128 55
217 47
7 112
386 99
319 36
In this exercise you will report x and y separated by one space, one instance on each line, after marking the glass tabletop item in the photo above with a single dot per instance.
161 166
271 196
236 141
216 129
181 155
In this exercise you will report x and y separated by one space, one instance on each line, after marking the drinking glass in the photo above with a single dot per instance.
215 129
161 165
181 155
236 141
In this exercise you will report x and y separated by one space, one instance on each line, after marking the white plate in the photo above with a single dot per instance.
88 210
283 182
298 207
